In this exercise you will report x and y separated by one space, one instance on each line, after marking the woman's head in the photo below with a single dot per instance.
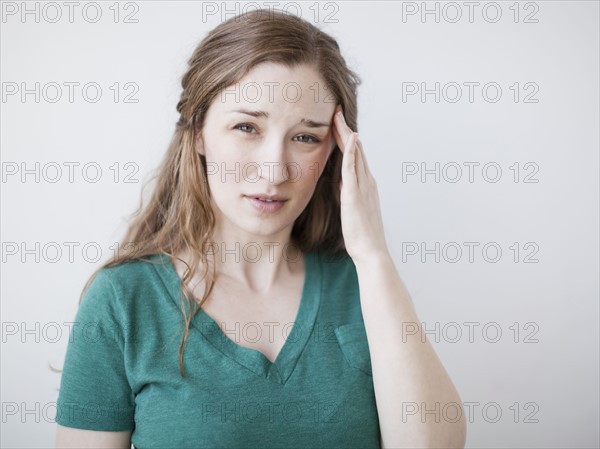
224 59
265 47
269 134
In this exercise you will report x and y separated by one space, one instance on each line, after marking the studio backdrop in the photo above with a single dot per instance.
479 121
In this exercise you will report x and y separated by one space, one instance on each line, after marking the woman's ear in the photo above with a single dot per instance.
199 144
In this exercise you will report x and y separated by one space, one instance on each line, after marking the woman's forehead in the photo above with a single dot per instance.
271 89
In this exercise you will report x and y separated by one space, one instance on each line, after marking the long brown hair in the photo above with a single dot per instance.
178 216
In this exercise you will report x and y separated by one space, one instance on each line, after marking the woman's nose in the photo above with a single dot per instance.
272 161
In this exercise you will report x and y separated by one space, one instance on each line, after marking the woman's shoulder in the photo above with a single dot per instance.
337 270
125 282
340 290
335 263
130 270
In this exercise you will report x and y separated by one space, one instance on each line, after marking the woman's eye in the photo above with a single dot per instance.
243 125
314 139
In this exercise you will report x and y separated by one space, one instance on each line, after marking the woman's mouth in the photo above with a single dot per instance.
266 205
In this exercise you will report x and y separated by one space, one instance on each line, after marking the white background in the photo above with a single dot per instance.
552 380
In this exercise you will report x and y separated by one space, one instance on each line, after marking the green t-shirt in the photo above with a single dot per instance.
121 368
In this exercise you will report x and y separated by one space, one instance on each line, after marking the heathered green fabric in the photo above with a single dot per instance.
121 367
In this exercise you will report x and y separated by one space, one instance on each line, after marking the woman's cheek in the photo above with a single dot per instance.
312 170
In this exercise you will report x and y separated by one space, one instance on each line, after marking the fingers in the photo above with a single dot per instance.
341 133
349 172
338 139
341 129
361 157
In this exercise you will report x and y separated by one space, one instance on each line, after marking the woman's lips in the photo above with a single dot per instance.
265 206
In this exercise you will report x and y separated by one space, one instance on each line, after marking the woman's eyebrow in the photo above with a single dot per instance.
307 122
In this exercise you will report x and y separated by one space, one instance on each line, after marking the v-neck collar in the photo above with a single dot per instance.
280 370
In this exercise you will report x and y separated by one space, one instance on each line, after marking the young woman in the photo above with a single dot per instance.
255 303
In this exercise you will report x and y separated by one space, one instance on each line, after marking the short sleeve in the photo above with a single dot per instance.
94 390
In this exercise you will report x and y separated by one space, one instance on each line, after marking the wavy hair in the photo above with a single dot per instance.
178 216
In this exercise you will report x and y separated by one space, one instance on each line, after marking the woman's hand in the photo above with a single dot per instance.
362 225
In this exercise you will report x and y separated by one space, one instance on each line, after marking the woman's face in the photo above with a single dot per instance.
269 134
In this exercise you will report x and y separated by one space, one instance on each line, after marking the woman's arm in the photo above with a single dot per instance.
416 400
414 394
68 437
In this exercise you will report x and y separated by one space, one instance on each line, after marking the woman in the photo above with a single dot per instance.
266 216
